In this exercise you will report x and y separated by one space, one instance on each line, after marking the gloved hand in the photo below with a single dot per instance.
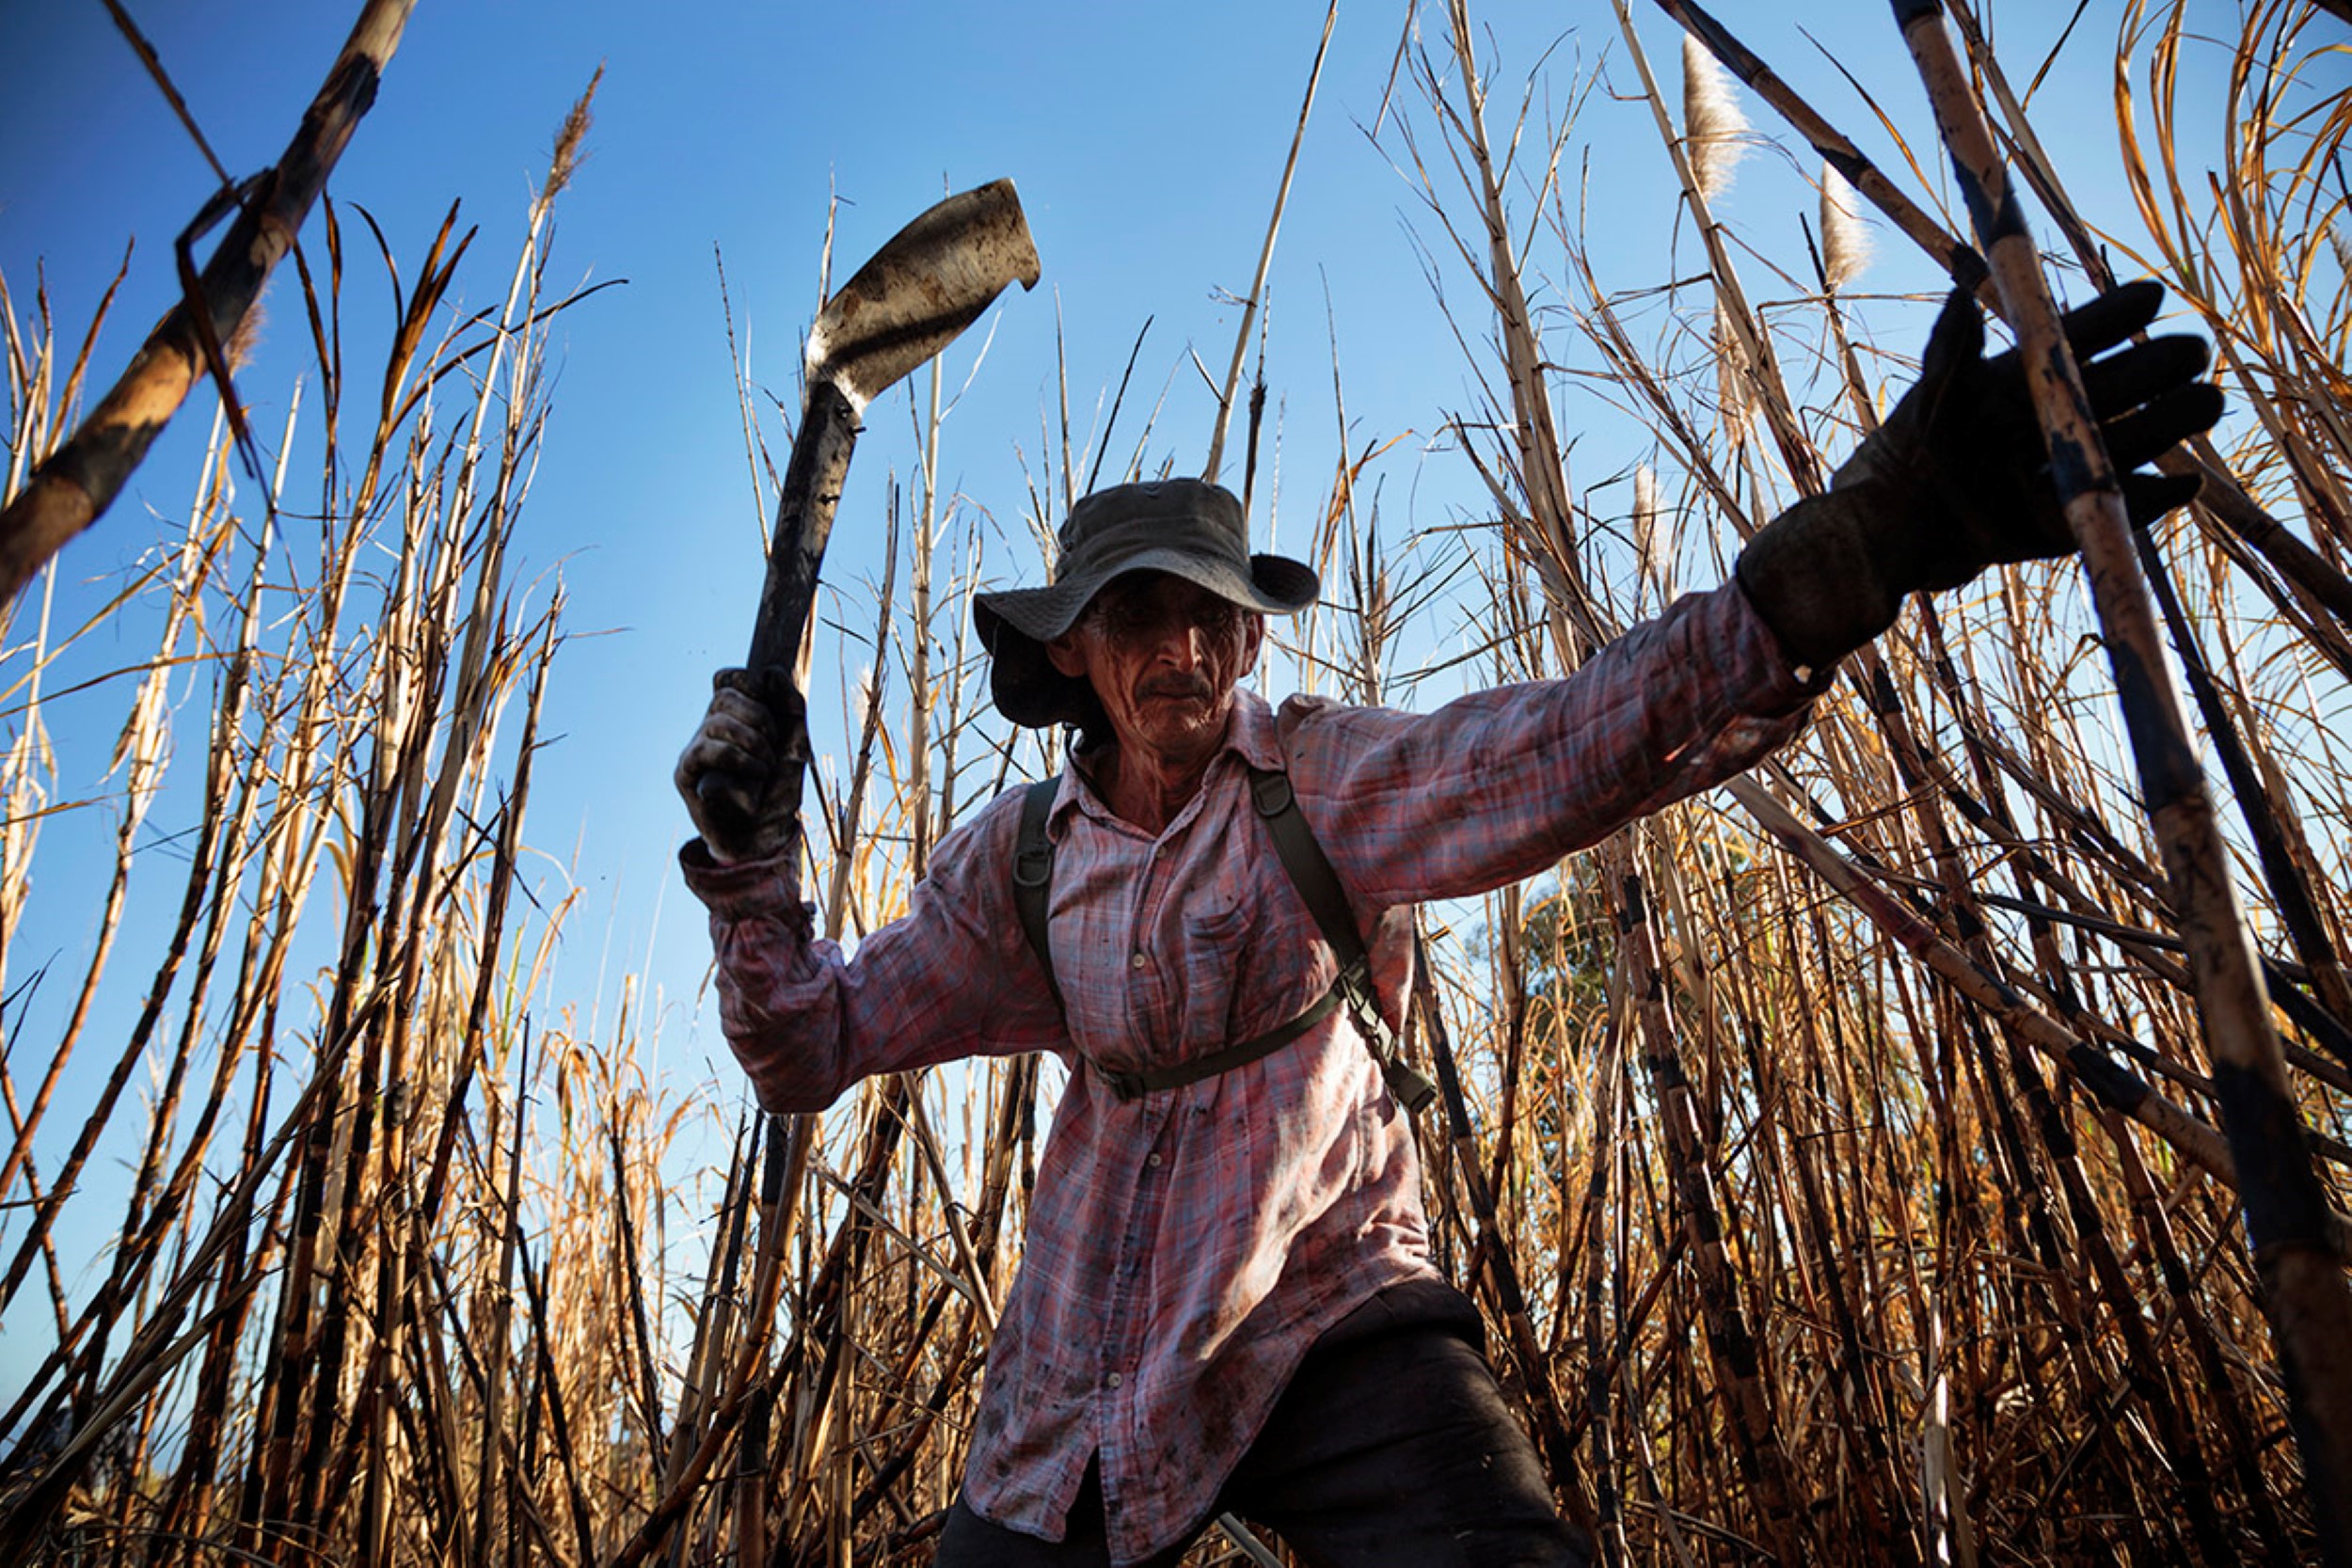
746 756
1957 479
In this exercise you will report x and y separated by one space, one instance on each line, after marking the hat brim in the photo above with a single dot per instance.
1015 624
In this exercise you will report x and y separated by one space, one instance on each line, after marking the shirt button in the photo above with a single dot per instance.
1113 1379
1153 1160
1136 960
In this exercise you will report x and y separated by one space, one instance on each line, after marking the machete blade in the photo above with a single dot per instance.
928 283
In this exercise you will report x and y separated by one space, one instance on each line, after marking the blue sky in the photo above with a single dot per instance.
1145 141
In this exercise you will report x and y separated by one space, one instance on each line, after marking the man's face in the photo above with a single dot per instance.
1163 655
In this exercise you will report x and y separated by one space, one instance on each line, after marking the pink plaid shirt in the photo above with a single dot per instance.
1186 1248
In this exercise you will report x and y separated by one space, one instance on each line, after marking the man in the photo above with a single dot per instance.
1226 1300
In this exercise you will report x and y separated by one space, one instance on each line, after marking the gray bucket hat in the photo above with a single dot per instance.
1188 528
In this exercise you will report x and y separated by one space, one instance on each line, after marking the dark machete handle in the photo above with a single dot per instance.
928 283
804 511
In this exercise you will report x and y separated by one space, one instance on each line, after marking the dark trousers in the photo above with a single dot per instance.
1389 1447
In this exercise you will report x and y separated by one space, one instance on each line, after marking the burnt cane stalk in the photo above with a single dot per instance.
2223 499
81 479
1551 1428
2304 1290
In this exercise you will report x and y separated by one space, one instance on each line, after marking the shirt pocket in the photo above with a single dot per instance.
1222 948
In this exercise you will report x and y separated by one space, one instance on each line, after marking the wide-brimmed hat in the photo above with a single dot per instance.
1188 528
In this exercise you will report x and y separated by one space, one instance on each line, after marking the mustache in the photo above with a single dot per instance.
1177 685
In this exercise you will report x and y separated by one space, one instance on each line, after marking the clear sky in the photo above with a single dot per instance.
1145 141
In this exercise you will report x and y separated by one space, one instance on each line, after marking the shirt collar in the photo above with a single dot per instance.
1250 734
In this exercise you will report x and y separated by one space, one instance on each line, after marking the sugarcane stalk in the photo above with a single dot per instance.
1755 343
2304 1291
1966 266
2290 888
1256 296
1551 1431
2191 1138
783 1166
80 480
2223 498
1740 1357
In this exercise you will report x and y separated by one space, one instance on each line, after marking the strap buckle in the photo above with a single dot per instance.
1124 1086
1409 1084
1270 792
1355 979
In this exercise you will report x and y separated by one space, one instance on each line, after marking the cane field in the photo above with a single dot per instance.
1844 1160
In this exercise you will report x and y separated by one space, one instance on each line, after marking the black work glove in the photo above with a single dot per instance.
1957 479
740 775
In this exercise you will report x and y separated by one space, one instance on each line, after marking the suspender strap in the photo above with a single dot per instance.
1033 877
1309 868
1318 885
1133 1086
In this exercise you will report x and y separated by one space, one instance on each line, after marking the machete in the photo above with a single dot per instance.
909 300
